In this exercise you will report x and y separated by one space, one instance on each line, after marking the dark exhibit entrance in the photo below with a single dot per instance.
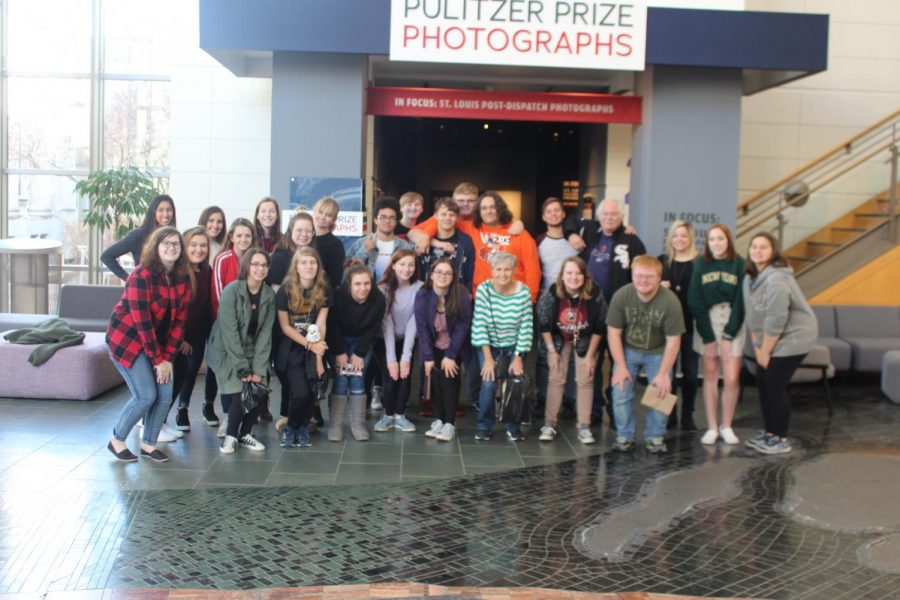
431 156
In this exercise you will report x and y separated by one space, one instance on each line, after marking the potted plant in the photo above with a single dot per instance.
118 198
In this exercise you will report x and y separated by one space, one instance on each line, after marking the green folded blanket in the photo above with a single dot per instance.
52 334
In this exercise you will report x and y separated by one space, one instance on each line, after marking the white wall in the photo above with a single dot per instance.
785 128
221 131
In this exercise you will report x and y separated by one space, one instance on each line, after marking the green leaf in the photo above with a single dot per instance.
118 198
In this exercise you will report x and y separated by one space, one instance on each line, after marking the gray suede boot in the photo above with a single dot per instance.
358 417
337 410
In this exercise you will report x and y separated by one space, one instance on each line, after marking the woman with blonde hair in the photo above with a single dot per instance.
717 305
302 304
331 249
678 267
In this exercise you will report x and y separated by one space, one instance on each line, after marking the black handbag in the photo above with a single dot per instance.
515 406
253 395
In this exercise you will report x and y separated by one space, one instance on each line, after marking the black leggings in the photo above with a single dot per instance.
774 399
299 393
396 393
444 391
239 424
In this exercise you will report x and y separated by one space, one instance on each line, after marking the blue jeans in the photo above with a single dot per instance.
486 411
353 385
149 400
626 422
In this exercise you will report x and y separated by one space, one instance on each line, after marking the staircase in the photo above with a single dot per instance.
840 232
837 212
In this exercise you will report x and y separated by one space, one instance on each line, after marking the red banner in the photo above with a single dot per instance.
503 106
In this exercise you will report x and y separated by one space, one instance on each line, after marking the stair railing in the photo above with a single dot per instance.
769 209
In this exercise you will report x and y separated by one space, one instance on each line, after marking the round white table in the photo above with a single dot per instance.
25 274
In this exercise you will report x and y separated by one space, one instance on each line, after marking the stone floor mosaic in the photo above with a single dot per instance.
506 529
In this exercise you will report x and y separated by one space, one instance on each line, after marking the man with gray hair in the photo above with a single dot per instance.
608 253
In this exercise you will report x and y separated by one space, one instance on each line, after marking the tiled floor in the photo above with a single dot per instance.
68 439
721 521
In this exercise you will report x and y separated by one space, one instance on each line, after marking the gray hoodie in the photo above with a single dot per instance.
775 305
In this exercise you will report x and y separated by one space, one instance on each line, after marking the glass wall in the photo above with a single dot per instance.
85 86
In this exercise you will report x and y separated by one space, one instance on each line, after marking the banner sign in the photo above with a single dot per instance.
504 106
586 34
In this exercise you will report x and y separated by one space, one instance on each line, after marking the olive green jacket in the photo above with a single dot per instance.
226 353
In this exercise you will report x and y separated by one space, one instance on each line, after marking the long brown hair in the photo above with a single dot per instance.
586 289
150 254
452 301
204 217
731 254
318 293
390 280
275 233
240 222
504 215
778 260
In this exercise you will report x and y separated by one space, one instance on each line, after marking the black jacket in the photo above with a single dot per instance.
548 311
350 319
626 247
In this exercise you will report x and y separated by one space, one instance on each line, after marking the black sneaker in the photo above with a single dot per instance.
209 413
182 423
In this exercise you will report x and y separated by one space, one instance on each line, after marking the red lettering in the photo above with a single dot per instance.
492 45
606 46
410 32
542 40
563 43
461 36
436 38
624 40
477 31
582 40
519 44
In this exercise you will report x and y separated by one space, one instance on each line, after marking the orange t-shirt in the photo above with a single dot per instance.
488 240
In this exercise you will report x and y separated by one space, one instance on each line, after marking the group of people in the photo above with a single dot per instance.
469 292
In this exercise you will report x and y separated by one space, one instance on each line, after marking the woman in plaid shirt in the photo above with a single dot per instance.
144 333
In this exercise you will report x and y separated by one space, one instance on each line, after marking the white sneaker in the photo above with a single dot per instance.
170 431
228 445
164 435
251 443
548 433
585 436
223 427
404 424
709 438
447 433
435 428
728 436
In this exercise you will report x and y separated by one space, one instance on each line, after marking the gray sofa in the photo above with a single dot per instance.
83 307
870 331
839 349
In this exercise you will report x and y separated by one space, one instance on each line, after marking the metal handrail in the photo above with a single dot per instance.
889 123
823 170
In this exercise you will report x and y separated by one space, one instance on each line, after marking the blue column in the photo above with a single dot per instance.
686 152
318 120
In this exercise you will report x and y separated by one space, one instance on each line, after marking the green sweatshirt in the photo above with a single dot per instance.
712 283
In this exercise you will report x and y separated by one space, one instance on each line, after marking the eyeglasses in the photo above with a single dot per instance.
443 273
386 218
170 245
643 276
259 265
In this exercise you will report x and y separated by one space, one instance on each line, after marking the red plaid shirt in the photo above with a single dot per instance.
144 305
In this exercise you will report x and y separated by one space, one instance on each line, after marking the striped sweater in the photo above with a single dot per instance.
502 321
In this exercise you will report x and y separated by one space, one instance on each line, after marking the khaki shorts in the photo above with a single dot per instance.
718 317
